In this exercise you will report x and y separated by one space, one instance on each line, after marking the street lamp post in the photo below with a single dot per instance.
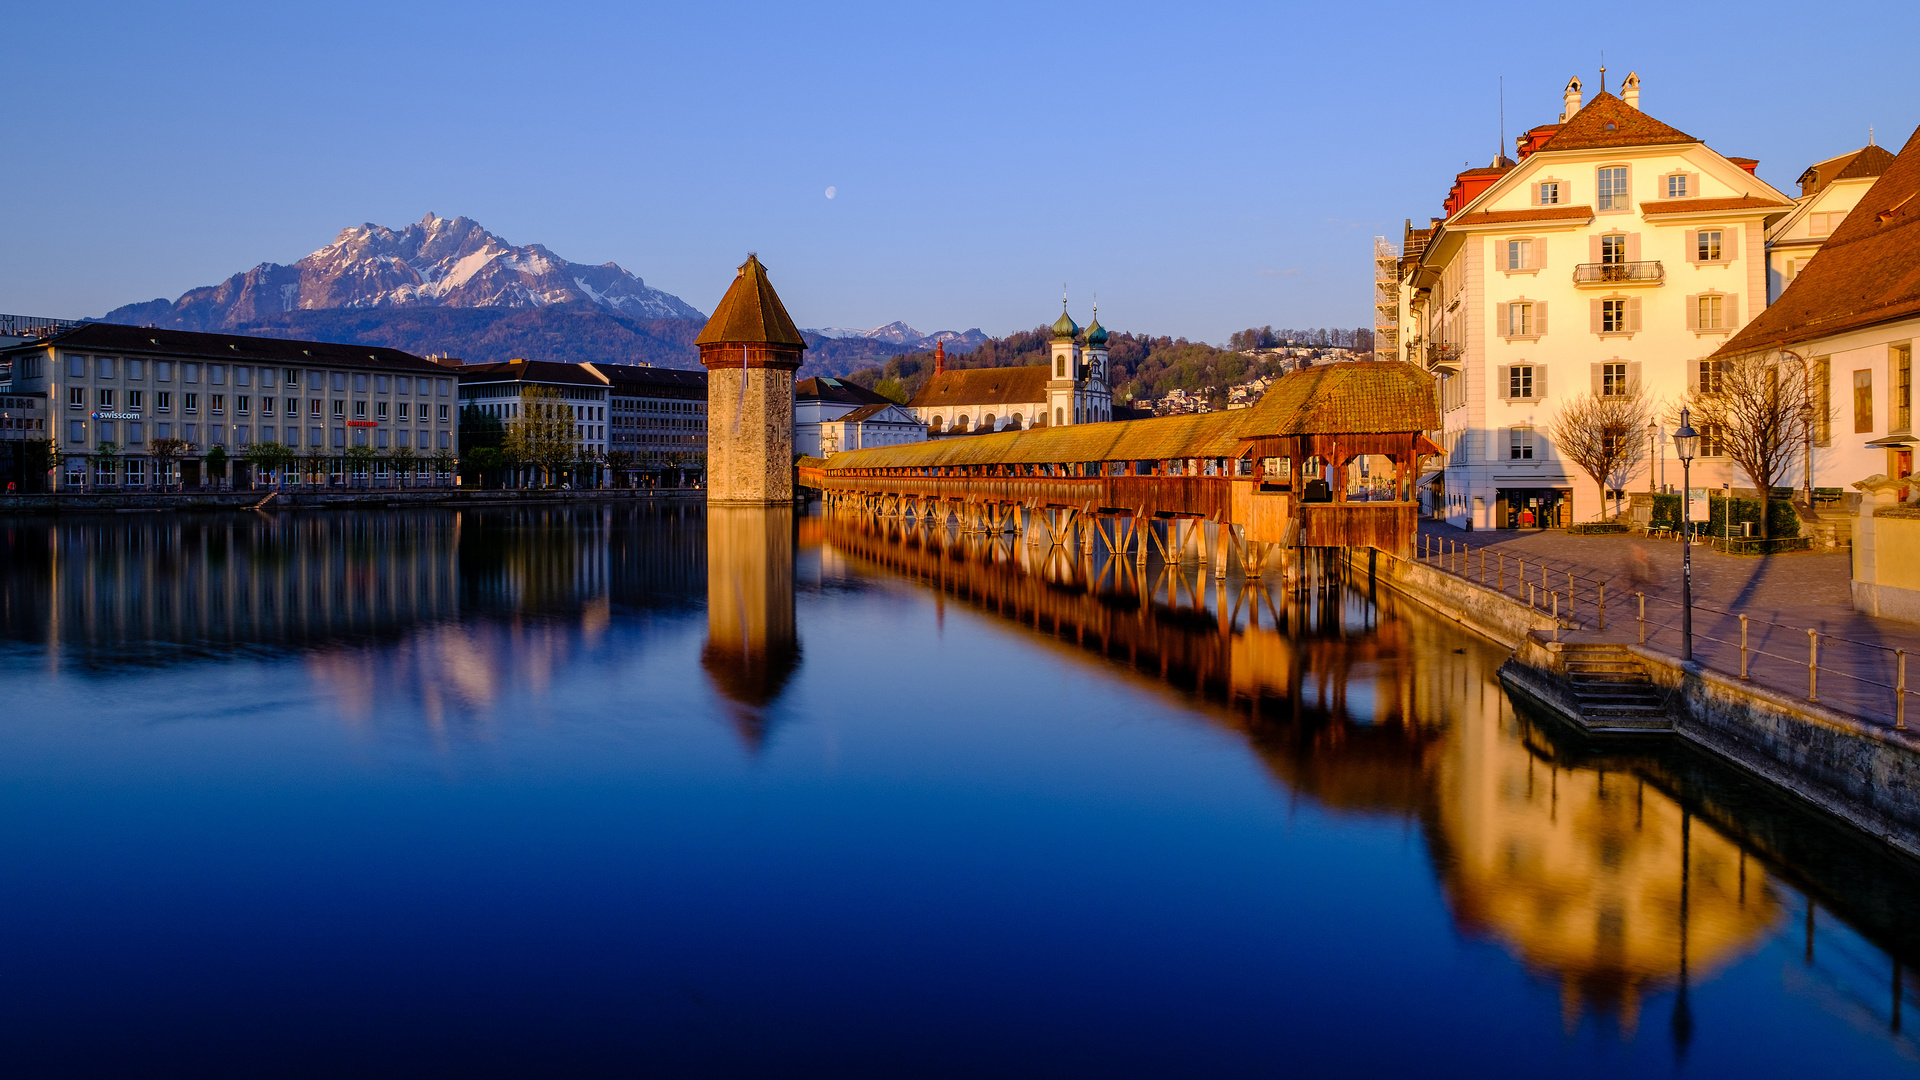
1806 424
1686 443
1653 449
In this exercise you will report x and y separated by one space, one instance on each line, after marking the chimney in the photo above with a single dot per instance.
1572 99
939 358
1630 90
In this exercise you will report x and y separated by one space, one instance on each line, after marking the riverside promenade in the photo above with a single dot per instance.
1782 596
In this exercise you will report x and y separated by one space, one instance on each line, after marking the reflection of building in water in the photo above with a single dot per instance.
1591 876
532 560
191 580
752 647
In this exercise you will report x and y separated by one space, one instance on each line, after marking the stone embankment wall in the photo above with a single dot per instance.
1865 774
240 500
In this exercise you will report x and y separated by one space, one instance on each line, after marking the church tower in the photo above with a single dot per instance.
1099 393
750 349
1063 383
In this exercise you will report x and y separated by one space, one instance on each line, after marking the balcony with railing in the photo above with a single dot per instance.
1649 272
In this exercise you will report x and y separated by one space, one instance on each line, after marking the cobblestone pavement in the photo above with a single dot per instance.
1797 590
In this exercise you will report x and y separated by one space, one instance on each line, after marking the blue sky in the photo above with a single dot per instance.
1201 167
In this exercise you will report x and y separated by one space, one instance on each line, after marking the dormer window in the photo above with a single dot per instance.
1677 186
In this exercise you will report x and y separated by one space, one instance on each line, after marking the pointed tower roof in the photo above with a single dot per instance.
1607 121
751 313
1096 334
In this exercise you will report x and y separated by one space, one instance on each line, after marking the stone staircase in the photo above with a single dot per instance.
1613 691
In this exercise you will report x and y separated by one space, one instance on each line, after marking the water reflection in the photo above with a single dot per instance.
1593 867
752 648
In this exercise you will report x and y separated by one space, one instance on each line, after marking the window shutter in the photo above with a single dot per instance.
1633 376
1539 253
1593 248
1540 317
1633 313
1539 381
1693 309
1504 385
1693 245
1594 371
1504 312
1593 309
1533 193
1730 311
1633 247
1730 243
1693 376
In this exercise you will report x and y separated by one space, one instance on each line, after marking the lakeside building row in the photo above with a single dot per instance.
1615 255
91 386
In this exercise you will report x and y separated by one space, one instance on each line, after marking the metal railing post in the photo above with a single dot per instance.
1643 617
1483 567
1743 646
1571 600
1530 603
1900 691
1813 665
1603 605
1500 567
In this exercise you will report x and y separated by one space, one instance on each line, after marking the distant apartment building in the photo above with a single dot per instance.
129 386
1612 258
657 418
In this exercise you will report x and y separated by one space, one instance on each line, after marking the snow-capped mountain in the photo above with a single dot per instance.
435 262
906 337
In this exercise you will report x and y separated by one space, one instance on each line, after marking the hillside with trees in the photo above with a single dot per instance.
1144 367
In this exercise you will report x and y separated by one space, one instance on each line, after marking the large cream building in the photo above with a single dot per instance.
1616 254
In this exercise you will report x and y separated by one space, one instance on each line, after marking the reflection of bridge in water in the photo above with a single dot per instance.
1616 877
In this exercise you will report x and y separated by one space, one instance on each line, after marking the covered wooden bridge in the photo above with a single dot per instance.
1286 473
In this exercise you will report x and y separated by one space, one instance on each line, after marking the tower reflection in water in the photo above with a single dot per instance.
1586 867
752 647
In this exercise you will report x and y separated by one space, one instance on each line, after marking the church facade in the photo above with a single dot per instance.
1071 388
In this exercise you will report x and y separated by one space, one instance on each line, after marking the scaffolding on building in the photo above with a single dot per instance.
1386 299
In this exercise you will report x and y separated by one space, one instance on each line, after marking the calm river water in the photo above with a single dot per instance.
677 792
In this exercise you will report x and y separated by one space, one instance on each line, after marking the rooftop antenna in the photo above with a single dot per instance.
1501 151
1869 134
1603 71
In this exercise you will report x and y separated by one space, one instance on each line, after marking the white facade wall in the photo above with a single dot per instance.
1472 284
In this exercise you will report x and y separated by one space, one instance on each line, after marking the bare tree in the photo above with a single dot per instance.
1757 408
1604 436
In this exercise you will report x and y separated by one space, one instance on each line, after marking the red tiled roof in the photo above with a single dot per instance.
984 386
1701 206
1868 272
1870 161
1607 121
1532 213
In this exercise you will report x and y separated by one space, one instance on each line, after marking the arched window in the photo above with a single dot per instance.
1060 366
1059 416
960 423
1013 422
934 424
986 423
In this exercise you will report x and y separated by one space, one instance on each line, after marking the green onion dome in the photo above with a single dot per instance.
1064 328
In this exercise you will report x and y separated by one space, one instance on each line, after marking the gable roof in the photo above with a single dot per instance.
1868 272
751 313
114 337
1606 121
1855 164
836 390
984 386
868 412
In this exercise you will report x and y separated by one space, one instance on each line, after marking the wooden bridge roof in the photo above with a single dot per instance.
1372 397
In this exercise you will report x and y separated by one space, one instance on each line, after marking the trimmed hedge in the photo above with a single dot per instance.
1596 528
1782 517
